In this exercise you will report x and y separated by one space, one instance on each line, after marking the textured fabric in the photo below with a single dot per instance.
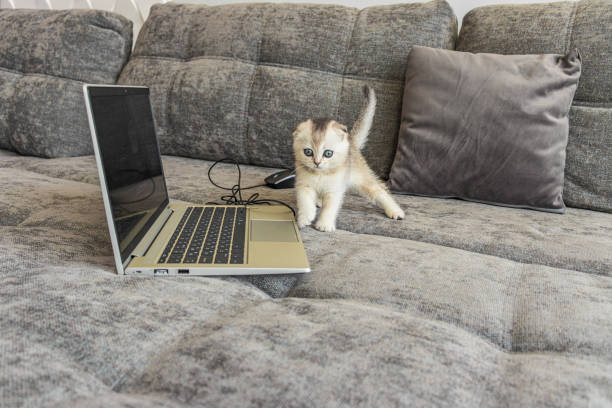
396 322
557 28
507 303
282 353
7 153
380 358
45 57
485 127
579 240
78 329
235 80
389 321
588 162
46 117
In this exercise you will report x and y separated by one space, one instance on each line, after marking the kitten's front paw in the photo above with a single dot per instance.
304 220
319 203
325 226
395 213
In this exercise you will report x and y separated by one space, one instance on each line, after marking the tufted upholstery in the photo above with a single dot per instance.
235 80
45 57
381 320
459 305
557 28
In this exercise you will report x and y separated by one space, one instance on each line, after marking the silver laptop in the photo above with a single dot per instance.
153 237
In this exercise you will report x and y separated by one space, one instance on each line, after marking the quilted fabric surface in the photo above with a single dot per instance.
459 305
578 240
380 320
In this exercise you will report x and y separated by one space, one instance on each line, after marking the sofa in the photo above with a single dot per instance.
459 304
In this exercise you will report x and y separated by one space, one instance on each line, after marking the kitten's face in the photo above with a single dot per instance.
320 144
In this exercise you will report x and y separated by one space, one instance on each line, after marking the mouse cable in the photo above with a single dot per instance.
235 198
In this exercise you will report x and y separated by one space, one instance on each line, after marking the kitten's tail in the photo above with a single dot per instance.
361 128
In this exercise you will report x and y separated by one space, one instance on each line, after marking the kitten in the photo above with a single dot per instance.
328 162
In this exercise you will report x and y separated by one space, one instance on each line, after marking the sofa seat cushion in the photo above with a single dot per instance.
388 328
58 220
78 329
578 240
71 327
515 306
142 342
339 353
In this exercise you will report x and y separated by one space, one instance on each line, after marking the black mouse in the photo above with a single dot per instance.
282 179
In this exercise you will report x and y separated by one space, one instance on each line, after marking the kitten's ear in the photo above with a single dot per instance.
303 127
343 129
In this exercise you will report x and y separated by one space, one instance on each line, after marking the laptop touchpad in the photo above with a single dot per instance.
273 231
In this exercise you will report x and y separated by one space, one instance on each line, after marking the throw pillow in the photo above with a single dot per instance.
486 127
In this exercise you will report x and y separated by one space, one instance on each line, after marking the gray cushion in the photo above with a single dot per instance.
408 322
45 57
296 352
588 162
151 342
235 80
482 294
485 127
557 28
390 320
72 328
579 240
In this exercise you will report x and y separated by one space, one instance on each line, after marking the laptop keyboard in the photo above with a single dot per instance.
208 235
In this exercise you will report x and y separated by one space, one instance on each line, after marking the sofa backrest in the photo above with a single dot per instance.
558 28
235 80
45 57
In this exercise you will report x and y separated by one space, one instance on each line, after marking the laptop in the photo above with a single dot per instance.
151 236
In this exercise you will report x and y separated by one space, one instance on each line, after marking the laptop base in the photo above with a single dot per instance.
272 246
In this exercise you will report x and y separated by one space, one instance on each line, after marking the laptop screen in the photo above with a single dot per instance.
131 160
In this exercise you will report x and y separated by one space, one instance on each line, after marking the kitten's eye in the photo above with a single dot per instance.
308 152
328 153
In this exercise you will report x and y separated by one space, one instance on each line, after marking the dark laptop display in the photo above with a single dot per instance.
130 156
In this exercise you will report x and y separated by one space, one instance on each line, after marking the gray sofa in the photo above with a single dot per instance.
460 304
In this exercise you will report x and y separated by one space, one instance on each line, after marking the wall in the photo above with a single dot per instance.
138 10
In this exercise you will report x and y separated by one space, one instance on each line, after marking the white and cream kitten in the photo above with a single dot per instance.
328 162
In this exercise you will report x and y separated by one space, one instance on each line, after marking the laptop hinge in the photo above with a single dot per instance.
146 242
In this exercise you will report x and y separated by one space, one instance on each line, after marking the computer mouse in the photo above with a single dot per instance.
282 179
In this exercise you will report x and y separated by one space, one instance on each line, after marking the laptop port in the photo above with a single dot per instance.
160 272
183 271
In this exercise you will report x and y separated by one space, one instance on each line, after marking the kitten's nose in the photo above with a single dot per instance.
316 163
